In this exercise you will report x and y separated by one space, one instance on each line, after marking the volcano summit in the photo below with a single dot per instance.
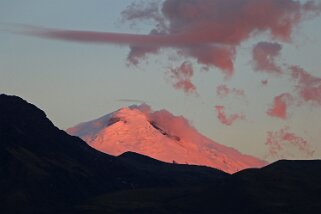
161 135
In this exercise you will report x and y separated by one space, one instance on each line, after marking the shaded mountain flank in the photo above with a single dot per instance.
45 170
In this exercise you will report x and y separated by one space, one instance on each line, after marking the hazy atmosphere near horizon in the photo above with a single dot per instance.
251 84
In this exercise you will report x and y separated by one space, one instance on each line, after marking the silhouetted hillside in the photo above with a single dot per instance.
292 187
44 170
286 186
42 167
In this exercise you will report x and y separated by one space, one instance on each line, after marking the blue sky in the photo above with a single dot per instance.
74 82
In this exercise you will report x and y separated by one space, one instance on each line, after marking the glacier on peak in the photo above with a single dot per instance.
160 135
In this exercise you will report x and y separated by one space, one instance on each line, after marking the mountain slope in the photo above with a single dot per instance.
160 135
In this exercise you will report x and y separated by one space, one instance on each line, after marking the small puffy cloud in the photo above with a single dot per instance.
181 77
264 82
223 91
227 120
264 57
280 105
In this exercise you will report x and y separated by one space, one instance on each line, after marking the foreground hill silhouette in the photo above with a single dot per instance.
42 166
44 170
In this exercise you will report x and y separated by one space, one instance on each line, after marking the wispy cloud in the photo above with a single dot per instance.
223 91
307 86
181 77
285 144
130 101
227 120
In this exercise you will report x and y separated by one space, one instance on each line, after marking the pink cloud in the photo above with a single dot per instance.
171 124
138 53
174 125
181 77
282 142
221 57
264 55
264 82
223 91
307 89
206 30
280 106
227 120
308 86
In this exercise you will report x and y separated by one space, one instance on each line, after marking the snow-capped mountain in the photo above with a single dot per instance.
160 135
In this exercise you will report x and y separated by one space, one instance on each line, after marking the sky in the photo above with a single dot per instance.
245 73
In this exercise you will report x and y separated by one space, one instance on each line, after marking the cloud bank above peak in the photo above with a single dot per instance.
208 31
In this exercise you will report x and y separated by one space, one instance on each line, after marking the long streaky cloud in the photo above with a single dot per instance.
144 40
130 101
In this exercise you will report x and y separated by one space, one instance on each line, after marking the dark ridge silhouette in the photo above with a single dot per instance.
44 170
43 167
